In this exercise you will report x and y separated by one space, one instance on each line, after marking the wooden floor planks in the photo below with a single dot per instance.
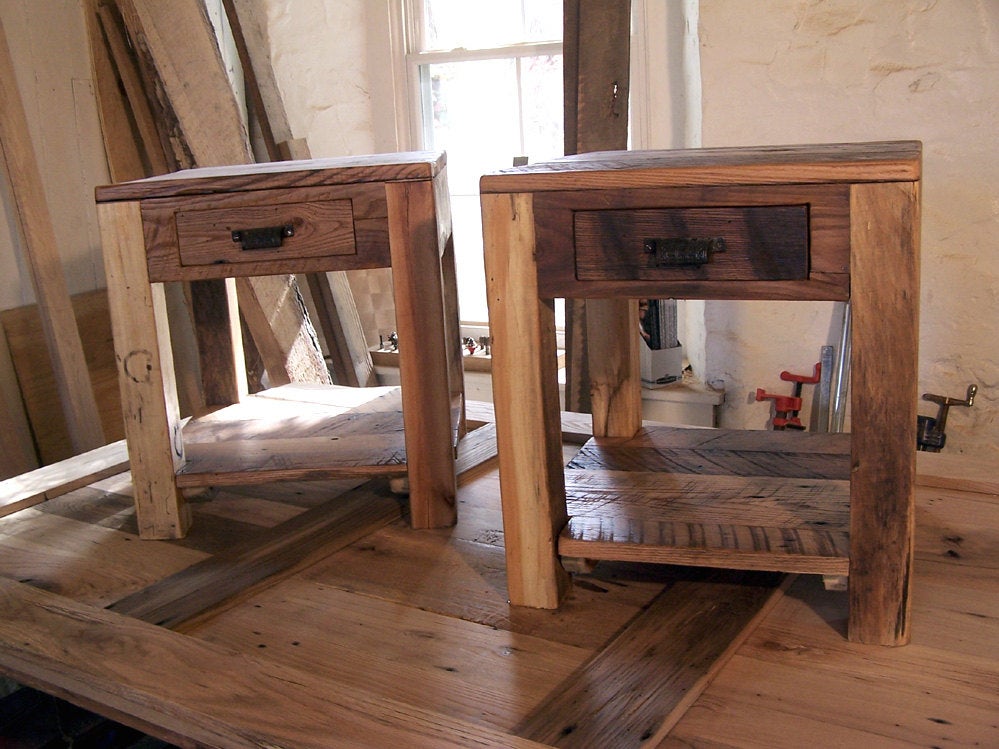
638 686
310 614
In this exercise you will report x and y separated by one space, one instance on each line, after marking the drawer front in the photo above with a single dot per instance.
260 233
727 243
311 228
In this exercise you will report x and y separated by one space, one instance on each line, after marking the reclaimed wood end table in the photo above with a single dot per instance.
827 222
208 226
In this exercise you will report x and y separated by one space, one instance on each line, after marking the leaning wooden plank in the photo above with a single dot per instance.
60 478
121 144
41 255
23 329
17 455
341 326
337 318
180 42
174 686
633 691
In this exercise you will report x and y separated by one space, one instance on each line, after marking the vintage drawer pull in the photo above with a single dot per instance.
264 237
684 251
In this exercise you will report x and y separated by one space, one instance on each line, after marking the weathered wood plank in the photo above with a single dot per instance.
265 460
145 374
57 553
157 683
526 398
41 256
467 670
180 44
290 545
427 389
17 452
770 165
28 489
39 389
884 233
722 452
637 687
937 695
759 523
766 500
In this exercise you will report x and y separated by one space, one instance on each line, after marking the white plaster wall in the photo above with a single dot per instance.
796 71
47 42
326 66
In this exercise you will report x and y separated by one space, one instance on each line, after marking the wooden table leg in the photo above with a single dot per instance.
525 391
884 268
145 374
423 359
613 361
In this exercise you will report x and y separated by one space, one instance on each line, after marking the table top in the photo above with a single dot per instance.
388 167
885 161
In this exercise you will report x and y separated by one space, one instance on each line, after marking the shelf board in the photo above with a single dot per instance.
714 498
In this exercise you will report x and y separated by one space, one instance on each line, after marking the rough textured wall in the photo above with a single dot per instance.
319 53
794 71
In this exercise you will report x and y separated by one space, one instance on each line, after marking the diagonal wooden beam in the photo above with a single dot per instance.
41 255
179 45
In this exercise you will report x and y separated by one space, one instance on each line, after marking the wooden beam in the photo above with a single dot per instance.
179 41
635 690
596 119
16 452
41 255
30 488
337 318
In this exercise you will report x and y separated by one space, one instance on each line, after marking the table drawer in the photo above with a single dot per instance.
266 232
726 243
256 233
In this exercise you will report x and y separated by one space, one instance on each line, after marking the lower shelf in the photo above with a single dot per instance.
296 432
712 498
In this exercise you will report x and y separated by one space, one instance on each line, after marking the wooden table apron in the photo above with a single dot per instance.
542 229
360 212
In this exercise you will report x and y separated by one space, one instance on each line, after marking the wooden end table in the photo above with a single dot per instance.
827 222
208 226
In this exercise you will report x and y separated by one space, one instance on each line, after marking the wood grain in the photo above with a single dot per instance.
41 257
145 374
639 685
38 388
206 180
760 165
525 388
424 360
32 487
828 224
160 686
885 351
721 452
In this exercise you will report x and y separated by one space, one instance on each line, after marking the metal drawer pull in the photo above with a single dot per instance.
684 251
263 238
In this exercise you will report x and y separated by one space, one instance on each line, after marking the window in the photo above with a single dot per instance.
486 86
